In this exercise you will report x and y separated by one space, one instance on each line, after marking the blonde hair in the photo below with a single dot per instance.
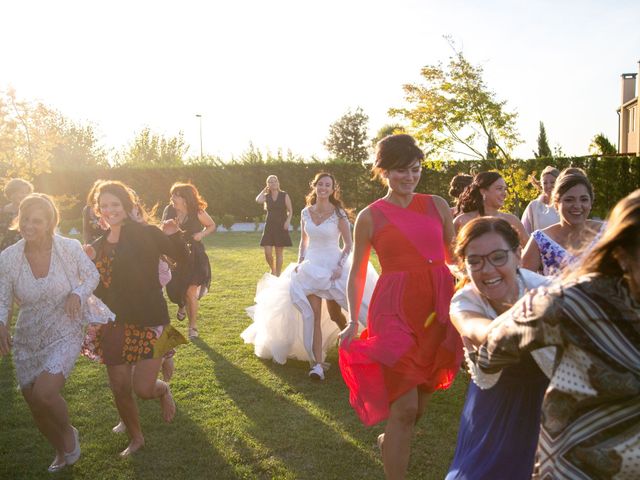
38 201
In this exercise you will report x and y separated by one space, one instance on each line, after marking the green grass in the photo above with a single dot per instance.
238 417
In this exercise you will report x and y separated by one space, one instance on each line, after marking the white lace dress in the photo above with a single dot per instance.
282 316
45 338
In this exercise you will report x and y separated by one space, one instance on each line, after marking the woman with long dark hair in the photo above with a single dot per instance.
457 187
289 317
132 347
484 198
410 348
190 280
591 410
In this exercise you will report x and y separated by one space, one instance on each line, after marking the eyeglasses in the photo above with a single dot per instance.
497 258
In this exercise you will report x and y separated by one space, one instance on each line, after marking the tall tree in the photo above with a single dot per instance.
543 145
492 147
150 148
601 145
453 112
347 139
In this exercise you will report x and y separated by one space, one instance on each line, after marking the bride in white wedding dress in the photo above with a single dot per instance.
290 320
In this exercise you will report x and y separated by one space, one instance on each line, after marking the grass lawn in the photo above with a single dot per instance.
238 417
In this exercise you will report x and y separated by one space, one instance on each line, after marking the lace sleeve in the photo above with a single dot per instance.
6 290
88 276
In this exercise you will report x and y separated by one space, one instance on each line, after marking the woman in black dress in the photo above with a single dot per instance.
190 279
276 229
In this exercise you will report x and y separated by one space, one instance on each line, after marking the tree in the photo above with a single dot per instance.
347 139
600 145
543 145
152 149
35 138
386 130
454 112
492 147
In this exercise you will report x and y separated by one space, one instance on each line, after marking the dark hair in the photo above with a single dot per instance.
622 230
471 199
567 180
191 196
334 198
478 227
457 186
396 151
17 184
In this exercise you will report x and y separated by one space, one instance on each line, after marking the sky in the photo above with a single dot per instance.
277 73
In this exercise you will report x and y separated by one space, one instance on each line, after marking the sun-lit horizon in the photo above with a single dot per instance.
277 74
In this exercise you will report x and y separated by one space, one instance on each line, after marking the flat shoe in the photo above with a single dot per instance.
72 457
56 467
193 333
181 315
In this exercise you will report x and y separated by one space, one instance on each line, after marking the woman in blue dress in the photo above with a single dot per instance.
500 420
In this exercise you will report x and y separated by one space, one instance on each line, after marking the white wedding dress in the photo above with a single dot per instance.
282 316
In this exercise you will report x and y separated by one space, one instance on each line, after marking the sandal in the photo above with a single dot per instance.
181 315
193 333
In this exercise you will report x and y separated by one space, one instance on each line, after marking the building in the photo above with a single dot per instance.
629 114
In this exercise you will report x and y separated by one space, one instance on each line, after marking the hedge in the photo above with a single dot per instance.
231 189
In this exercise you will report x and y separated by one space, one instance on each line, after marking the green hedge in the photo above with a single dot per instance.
231 189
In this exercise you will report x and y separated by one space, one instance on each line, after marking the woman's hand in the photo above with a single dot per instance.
90 251
198 236
286 226
169 227
5 340
347 334
72 306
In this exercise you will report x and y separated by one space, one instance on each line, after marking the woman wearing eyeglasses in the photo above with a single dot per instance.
500 420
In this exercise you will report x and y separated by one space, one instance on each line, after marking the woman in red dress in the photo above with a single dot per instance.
410 348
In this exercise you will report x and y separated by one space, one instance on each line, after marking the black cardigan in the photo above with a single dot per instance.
135 294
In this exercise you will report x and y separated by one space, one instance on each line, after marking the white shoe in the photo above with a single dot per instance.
72 457
119 428
317 372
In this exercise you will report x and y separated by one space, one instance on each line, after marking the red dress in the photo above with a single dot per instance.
409 341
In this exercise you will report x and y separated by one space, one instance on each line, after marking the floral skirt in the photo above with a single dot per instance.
117 344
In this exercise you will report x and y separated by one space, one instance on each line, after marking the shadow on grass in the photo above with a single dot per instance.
304 442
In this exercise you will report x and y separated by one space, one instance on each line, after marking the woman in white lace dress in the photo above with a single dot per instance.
51 277
290 318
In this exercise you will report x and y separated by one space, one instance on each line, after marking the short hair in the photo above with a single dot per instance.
38 201
16 184
396 151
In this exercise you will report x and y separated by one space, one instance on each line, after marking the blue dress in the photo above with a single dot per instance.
499 425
